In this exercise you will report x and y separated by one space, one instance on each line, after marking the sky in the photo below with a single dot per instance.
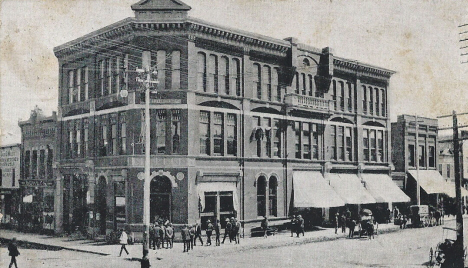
419 39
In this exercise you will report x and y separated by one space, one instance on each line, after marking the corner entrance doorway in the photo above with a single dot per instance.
160 199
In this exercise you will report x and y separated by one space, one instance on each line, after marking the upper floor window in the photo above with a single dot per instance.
422 155
448 170
123 138
371 101
257 79
213 74
342 96
267 81
277 88
161 131
273 196
261 196
334 94
383 101
224 76
231 129
204 126
411 155
365 144
373 145
161 67
377 101
380 146
349 97
236 76
175 68
349 144
364 99
297 139
431 156
175 131
276 138
332 151
298 88
306 135
201 72
311 84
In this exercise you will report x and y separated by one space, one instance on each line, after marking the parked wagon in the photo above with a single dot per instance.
366 224
420 216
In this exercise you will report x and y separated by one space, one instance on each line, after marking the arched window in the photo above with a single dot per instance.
371 101
175 67
377 101
236 83
383 111
276 87
201 72
311 85
364 99
303 84
261 196
306 62
272 197
296 77
257 80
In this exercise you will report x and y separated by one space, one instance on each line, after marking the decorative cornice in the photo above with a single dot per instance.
355 67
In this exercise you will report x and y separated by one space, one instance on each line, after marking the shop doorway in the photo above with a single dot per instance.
101 205
160 199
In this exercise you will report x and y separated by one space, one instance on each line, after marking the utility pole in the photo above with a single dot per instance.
147 84
416 160
458 245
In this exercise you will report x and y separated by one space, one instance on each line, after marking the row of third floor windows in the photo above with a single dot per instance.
113 74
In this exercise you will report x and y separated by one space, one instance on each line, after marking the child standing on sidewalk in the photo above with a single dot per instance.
13 252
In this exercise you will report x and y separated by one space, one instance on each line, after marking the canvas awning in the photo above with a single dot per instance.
350 188
312 190
383 189
433 183
218 187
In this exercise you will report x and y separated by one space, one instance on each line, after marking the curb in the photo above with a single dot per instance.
35 245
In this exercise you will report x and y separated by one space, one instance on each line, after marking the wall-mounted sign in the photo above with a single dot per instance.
36 183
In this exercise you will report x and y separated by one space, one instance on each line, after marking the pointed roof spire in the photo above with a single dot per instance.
160 5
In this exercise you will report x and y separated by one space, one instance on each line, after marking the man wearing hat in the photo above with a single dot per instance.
227 230
197 234
209 232
186 238
300 225
217 228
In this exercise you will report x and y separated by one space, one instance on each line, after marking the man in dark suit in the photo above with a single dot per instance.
186 238
227 231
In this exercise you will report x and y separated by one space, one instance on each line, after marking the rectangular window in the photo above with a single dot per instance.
123 138
101 76
41 165
175 65
71 144
315 142
34 165
175 131
218 134
104 141
231 129
349 144
380 146
161 66
431 156
365 144
50 157
86 142
204 132
268 82
371 101
236 76
212 73
257 80
342 96
384 112
201 72
377 102
340 143
411 155
333 143
78 85
117 73
334 94
85 84
109 76
373 146
267 127
297 140
422 156
71 87
440 169
276 138
161 132
350 97
223 74
27 164
306 150
78 143
448 171
258 134
114 144
364 99
303 84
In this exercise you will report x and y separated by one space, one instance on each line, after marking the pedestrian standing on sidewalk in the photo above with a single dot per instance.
300 226
227 230
197 234
264 226
123 242
152 237
337 222
209 232
185 232
237 230
217 228
169 235
163 234
293 225
157 235
351 225
343 223
13 252
192 231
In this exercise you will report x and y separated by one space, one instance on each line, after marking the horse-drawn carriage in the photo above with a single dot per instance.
421 216
444 253
366 224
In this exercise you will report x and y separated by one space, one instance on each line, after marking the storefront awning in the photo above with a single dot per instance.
383 189
350 188
433 183
217 187
312 190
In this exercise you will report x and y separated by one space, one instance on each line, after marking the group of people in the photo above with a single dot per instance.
297 225
344 221
161 234
190 233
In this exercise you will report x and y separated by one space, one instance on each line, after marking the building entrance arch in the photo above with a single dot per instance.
101 205
160 198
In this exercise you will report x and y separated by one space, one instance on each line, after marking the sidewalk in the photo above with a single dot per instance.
281 239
